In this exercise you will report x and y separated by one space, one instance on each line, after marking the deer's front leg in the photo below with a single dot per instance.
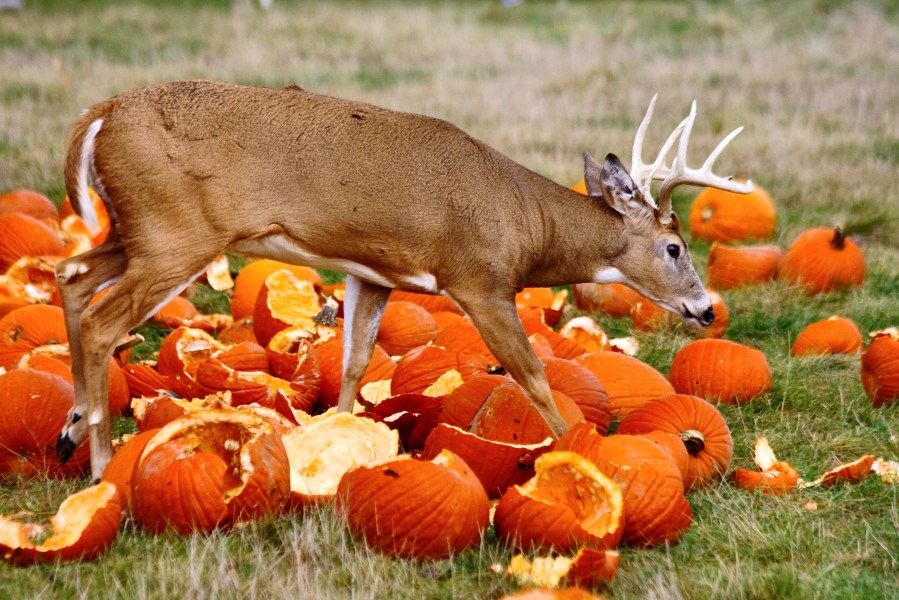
363 306
497 321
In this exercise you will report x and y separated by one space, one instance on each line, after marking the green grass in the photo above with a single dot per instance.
813 81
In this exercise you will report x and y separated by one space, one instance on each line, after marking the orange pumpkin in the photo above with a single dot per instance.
285 300
834 335
210 469
880 367
647 316
613 299
433 303
534 322
21 235
721 216
120 469
330 358
462 337
822 260
586 333
720 370
144 380
580 384
496 464
181 353
28 327
405 326
735 266
462 404
421 367
29 202
590 567
629 382
415 509
772 477
698 424
83 528
249 280
569 502
508 415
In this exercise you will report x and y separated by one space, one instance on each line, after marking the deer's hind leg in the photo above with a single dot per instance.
145 284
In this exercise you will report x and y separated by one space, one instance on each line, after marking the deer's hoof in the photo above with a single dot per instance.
65 447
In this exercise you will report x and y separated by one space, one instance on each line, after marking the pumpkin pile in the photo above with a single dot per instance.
235 415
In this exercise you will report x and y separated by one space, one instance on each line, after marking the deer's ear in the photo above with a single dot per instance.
612 183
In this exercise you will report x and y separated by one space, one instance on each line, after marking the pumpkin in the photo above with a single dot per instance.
590 567
721 216
290 347
144 380
405 326
416 509
585 332
330 359
433 303
629 382
29 202
327 448
210 469
462 404
66 212
413 416
834 335
181 353
720 370
35 404
28 327
29 280
534 322
496 464
508 415
700 427
240 330
655 509
613 299
736 266
120 469
247 356
83 528
568 503
462 337
880 367
822 260
21 235
580 384
420 368
647 316
249 280
285 301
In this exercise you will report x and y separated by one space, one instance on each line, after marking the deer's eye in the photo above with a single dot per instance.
673 250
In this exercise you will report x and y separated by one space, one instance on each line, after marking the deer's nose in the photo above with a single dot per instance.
708 316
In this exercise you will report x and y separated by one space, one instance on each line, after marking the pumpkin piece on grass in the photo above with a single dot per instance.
736 266
250 279
834 335
83 528
22 235
404 326
613 299
285 301
821 260
887 470
629 382
853 472
496 464
722 216
773 476
720 370
570 593
655 509
699 426
210 469
590 568
35 404
568 503
880 367
416 509
508 415
326 449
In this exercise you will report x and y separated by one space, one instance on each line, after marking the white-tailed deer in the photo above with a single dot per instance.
191 170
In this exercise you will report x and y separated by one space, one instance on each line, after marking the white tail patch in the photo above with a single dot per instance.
84 207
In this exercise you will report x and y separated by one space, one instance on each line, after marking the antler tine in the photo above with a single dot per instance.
642 173
681 174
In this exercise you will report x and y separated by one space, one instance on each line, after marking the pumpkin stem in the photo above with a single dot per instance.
839 238
693 440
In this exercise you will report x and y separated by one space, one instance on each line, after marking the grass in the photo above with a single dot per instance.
814 82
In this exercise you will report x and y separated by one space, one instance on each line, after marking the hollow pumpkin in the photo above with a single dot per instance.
720 370
28 327
834 335
568 503
821 260
21 235
462 404
736 266
700 427
773 476
421 367
83 528
416 509
880 367
629 382
586 333
249 280
285 301
120 469
721 216
330 359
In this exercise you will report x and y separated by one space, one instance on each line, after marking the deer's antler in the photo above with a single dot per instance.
678 173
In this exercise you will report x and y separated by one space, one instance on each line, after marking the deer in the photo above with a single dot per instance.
191 170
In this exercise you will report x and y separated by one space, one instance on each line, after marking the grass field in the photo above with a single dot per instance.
815 82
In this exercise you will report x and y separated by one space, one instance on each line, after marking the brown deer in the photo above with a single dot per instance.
190 170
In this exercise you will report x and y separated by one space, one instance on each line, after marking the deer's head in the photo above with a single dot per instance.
654 258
